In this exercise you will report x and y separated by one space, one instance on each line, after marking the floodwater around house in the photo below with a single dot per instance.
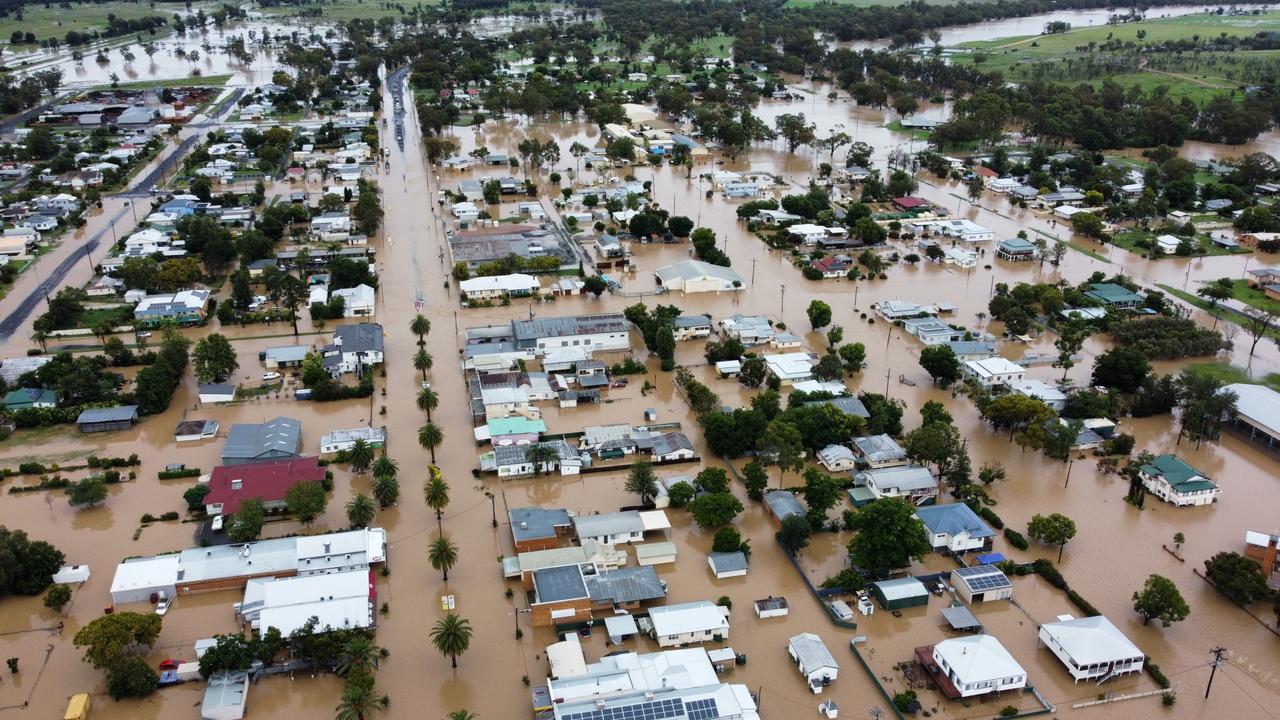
1116 548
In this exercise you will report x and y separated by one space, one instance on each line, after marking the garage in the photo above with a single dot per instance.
901 593
981 583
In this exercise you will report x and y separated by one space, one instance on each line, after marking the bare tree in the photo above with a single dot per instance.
1257 322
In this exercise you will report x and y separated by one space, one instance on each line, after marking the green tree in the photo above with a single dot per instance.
783 445
680 494
385 490
1071 337
428 400
246 524
854 356
941 363
451 635
641 481
131 677
727 539
26 566
715 509
465 714
359 701
934 412
821 491
541 457
1160 599
794 533
359 656
753 372
360 455
360 511
90 491
712 480
755 479
1236 576
829 368
194 496
107 638
306 501
421 327
819 314
437 497
889 537
443 555
57 597
1122 369
422 362
1054 529
430 436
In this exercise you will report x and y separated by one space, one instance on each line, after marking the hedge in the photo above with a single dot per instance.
175 474
990 516
53 483
1156 674
1050 573
1016 539
1083 604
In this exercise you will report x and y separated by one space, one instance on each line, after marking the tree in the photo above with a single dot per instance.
1054 529
57 597
829 368
715 509
26 566
422 362
385 490
1257 322
1215 292
794 533
131 677
306 501
452 636
712 480
541 457
289 292
1203 402
1121 368
755 479
246 524
834 336
753 371
889 537
358 700
443 555
420 326
107 638
934 412
941 363
360 455
937 444
794 130
194 496
360 511
783 445
359 656
437 497
428 400
680 226
854 356
1238 577
89 491
680 493
819 314
595 285
1159 599
229 652
465 714
727 539
1071 337
821 493
641 481
430 436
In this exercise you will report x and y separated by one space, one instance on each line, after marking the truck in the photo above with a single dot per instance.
77 708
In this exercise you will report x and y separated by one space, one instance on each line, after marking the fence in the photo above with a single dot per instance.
819 594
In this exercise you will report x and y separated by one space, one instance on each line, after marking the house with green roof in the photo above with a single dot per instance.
24 398
1174 481
1114 296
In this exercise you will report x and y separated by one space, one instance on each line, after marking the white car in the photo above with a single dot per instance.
162 606
216 525
267 377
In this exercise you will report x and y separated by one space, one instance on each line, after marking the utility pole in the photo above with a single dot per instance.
1217 660
753 271
782 308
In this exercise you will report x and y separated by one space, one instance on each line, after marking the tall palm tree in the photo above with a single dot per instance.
422 362
359 654
540 456
428 400
430 436
443 555
437 494
360 455
360 511
41 337
386 489
358 702
384 466
420 326
452 636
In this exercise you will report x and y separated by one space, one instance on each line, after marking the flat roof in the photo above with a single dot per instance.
556 584
696 616
655 550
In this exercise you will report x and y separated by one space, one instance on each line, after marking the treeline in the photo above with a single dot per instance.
116 27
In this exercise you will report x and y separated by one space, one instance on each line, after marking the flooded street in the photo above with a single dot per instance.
1116 547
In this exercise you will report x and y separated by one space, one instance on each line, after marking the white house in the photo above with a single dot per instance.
837 458
1168 244
495 287
993 372
340 440
790 367
814 660
954 526
726 565
912 483
610 528
214 393
595 333
357 301
354 348
688 623
898 309
693 276
1174 481
1091 647
977 665
1040 390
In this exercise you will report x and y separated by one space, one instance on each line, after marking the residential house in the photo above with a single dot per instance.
340 440
186 307
832 266
232 485
782 504
837 458
1174 481
980 583
814 660
691 327
357 301
24 398
689 623
1114 296
1040 390
288 356
789 368
514 460
912 483
216 393
535 528
956 527
966 350
1091 648
354 349
725 565
748 330
611 528
879 451
972 665
107 419
336 601
495 287
932 331
992 372
901 309
1017 250
912 204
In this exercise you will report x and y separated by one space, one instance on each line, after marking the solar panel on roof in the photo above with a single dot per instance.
702 709
657 710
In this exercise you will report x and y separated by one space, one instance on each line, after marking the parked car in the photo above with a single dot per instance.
169 664
267 377
162 606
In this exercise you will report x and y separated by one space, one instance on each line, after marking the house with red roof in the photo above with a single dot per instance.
911 204
231 485
832 266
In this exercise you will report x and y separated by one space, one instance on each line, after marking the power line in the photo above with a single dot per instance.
1217 660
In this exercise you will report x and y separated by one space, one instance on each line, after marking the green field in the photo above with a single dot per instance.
1129 240
1107 52
339 10
862 3
1224 313
1229 374
55 21
201 81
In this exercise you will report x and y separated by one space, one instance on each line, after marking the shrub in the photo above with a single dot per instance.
148 518
57 597
1083 604
1016 539
170 516
990 516
1156 674
1168 699
177 474
30 468
1050 573
903 700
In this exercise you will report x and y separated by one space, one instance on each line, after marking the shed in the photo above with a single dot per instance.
981 582
961 618
620 627
772 607
901 593
72 574
813 659
224 698
659 553
217 393
107 419
727 564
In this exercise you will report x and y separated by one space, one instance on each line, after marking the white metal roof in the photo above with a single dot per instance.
655 550
975 658
654 520
811 652
145 573
1259 404
621 626
690 617
994 366
1091 640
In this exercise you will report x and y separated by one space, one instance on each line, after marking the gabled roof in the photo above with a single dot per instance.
783 503
811 652
360 337
615 523
727 561
279 435
626 585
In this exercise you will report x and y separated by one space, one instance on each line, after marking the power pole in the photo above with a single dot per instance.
1217 660
753 271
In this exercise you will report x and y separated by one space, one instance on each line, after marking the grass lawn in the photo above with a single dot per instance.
1223 313
1229 374
916 134
199 81
1133 241
1242 291
55 21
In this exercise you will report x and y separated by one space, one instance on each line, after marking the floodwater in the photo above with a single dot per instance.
1116 548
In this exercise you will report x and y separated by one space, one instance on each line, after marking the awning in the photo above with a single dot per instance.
961 618
990 558
654 520
620 626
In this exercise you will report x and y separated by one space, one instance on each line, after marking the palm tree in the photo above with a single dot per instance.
420 326
428 400
358 702
360 511
41 337
437 494
430 436
360 455
422 362
540 456
386 489
384 466
461 715
452 636
359 654
443 555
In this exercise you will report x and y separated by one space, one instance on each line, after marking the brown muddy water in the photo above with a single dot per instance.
1116 548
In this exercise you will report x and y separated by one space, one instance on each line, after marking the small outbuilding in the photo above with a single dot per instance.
981 582
96 420
900 593
659 553
620 627
217 393
727 564
814 660
225 696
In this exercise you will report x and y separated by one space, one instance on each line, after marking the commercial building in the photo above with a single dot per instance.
956 527
973 665
96 420
231 485
277 439
340 440
696 276
689 623
1257 415
336 601
186 307
1174 481
596 333
1091 648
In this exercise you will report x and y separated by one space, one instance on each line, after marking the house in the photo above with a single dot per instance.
514 460
1114 296
900 309
288 356
848 405
1017 250
535 528
832 266
613 528
900 594
624 588
972 665
789 368
1167 244
992 372
231 485
337 601
186 307
1257 415
813 659
837 458
215 393
966 350
786 341
659 553
18 241
1091 647
879 451
726 565
691 327
777 217
23 398
339 440
748 330
1040 390
696 276
357 301
225 696
956 527
598 333
195 430
672 446
912 483
782 504
979 583
1174 481
108 419
962 229
932 331
495 287
689 623
738 190
277 439
912 204
354 348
